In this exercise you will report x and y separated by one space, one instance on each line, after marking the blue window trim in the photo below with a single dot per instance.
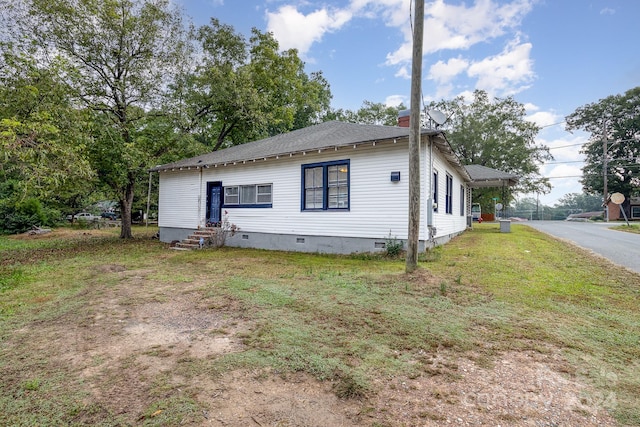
325 181
251 206
435 190
265 205
449 194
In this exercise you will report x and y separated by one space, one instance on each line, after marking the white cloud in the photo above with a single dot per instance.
607 11
295 30
395 100
544 118
506 73
403 72
459 27
444 72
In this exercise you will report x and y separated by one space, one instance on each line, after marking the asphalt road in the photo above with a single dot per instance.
619 247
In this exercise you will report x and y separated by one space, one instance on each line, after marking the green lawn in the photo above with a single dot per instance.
631 228
341 318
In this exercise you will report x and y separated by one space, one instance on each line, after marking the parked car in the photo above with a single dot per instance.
476 212
83 216
109 215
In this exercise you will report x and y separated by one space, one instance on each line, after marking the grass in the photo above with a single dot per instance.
338 318
631 228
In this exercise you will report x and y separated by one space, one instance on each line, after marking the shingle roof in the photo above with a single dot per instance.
321 136
483 176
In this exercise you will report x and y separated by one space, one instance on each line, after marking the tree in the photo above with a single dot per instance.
120 55
614 123
577 203
371 113
42 143
495 134
240 91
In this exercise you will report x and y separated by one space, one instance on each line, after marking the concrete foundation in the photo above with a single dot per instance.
300 243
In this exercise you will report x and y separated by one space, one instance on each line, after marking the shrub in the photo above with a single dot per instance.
23 215
224 229
393 246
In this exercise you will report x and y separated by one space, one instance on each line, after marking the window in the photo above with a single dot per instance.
635 211
231 196
462 200
325 186
448 199
248 196
435 191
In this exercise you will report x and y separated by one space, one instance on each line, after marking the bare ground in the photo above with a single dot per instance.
129 347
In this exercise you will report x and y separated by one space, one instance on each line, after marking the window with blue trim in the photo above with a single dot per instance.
248 196
435 191
325 186
449 195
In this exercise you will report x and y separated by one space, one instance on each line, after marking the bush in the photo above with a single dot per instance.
22 216
393 246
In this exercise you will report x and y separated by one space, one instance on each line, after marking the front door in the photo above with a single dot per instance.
214 202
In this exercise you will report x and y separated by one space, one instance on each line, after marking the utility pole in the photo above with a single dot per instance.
414 140
605 190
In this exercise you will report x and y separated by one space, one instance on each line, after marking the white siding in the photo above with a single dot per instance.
447 224
178 199
378 207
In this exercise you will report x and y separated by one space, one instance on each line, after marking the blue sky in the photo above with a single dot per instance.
553 56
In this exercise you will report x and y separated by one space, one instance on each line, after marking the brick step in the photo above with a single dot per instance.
184 245
193 240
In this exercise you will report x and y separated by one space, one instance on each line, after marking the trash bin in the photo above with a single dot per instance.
505 226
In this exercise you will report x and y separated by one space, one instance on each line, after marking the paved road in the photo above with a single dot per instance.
619 247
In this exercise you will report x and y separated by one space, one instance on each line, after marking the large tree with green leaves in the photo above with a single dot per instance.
243 90
120 56
372 113
43 143
494 133
614 125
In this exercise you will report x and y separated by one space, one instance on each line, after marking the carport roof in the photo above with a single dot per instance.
483 177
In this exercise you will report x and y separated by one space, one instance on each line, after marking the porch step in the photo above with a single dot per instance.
192 241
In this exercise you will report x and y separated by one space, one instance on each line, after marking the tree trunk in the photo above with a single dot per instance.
126 201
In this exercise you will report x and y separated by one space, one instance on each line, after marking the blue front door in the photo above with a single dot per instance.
214 202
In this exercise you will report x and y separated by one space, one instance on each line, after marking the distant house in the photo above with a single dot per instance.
331 188
630 205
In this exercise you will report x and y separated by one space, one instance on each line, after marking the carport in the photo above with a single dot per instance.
485 177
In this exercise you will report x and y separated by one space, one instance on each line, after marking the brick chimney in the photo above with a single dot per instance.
403 118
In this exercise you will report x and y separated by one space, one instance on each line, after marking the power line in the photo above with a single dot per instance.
552 124
561 163
565 146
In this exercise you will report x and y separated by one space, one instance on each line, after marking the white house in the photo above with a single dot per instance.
331 188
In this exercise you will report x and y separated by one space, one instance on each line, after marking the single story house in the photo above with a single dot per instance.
334 187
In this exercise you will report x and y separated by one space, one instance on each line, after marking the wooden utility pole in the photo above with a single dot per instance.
414 140
605 190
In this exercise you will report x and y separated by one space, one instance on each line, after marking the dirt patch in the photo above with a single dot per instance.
520 389
130 343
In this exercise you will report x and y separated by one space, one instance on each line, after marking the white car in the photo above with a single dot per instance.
84 216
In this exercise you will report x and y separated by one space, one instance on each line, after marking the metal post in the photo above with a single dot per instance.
148 200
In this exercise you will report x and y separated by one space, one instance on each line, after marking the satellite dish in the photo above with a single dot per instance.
617 198
437 116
